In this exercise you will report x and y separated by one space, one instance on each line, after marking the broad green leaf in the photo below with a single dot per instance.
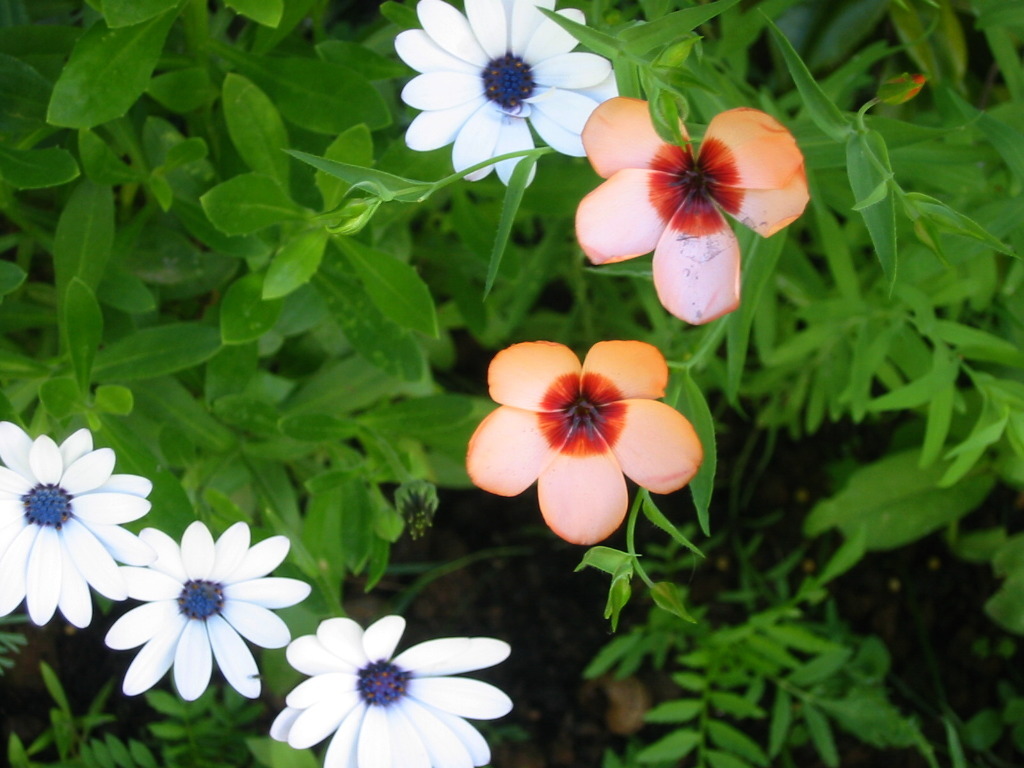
718 759
691 403
1006 140
11 277
359 58
114 399
1006 606
318 428
868 166
84 236
265 39
156 351
521 176
354 147
605 559
255 127
168 402
671 748
100 163
24 94
60 396
248 203
402 16
420 417
107 72
266 12
125 13
394 287
866 711
82 325
670 28
183 90
37 168
675 711
820 668
244 314
295 263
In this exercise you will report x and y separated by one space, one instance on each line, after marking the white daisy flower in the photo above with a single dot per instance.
404 712
203 595
485 74
61 512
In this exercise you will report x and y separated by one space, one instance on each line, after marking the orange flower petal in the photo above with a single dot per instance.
698 277
766 211
583 499
507 452
657 448
637 369
620 134
522 374
764 151
617 220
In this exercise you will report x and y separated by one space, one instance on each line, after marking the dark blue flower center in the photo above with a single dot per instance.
508 81
201 599
381 683
47 505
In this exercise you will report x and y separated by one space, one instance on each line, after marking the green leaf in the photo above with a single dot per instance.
24 94
107 72
821 735
183 90
606 559
386 186
734 705
717 759
692 404
669 597
84 237
54 688
394 287
867 161
675 711
671 748
656 516
295 263
244 314
729 738
599 42
421 417
359 58
82 324
248 203
11 277
156 351
60 397
353 147
126 13
114 399
255 127
850 552
37 168
513 197
976 344
782 718
266 12
823 112
642 38
100 163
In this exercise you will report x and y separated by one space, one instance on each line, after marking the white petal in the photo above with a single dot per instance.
567 108
11 510
381 638
514 136
443 746
150 584
270 592
75 602
264 557
343 638
308 655
437 128
556 137
476 141
407 749
76 446
450 30
283 723
470 737
14 483
234 658
197 551
43 575
316 722
142 624
452 655
525 21
341 752
45 460
13 536
93 561
257 624
606 89
124 546
550 39
168 554
461 696
193 661
133 485
109 508
321 687
374 747
490 26
416 49
229 551
88 472
15 445
155 658
442 90
571 70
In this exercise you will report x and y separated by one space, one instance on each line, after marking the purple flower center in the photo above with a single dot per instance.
47 505
508 81
381 683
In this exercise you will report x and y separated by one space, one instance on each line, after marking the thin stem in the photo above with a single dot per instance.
634 512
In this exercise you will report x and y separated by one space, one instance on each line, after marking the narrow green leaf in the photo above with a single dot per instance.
718 759
100 163
82 325
386 186
940 416
513 197
126 13
867 164
731 739
782 718
353 147
24 94
11 277
255 127
599 42
37 168
690 401
84 237
248 203
671 748
821 735
107 72
669 597
156 351
642 38
244 314
183 90
675 711
54 687
656 516
266 12
295 263
850 552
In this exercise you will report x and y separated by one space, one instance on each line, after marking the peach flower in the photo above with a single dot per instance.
577 428
669 199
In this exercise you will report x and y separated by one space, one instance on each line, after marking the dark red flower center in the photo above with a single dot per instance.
694 187
582 414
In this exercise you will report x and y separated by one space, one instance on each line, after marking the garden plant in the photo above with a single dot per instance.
427 384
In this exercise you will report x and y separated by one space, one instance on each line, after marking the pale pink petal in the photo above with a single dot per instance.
620 134
657 447
507 452
617 221
766 211
698 278
636 368
522 374
583 498
764 151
